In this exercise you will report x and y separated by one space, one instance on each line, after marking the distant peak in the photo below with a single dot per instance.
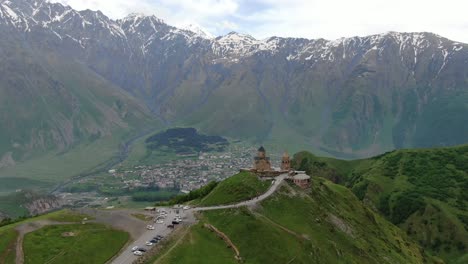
234 33
237 36
136 15
198 30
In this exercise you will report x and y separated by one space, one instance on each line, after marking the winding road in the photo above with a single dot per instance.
273 188
126 256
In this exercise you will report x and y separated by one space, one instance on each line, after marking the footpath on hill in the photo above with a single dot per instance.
251 202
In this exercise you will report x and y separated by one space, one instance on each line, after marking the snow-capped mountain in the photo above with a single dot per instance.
140 30
198 30
354 94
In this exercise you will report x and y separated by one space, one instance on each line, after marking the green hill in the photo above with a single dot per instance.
7 246
72 242
326 224
240 187
422 191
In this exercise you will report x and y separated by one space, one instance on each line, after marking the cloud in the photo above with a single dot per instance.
328 19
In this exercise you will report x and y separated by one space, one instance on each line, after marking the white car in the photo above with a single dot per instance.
135 248
137 253
149 244
150 227
160 222
186 207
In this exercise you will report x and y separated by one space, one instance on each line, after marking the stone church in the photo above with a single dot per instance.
262 162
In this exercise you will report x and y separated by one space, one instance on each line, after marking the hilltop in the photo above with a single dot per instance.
423 191
326 224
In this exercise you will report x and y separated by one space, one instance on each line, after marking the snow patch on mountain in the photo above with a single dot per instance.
198 30
143 34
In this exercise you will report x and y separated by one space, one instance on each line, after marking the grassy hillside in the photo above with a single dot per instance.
422 191
199 246
7 246
58 118
239 187
8 235
325 225
90 243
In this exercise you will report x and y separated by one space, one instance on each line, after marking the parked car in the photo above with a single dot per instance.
153 241
150 227
149 244
160 222
137 253
142 250
186 207
134 248
175 222
170 226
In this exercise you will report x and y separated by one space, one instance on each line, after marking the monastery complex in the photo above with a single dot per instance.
263 169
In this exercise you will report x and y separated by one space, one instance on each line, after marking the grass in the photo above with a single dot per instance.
341 222
325 225
10 205
8 185
198 246
7 246
240 187
68 216
52 168
194 197
8 233
423 191
90 243
59 216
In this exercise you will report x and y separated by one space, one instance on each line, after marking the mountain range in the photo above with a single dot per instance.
69 76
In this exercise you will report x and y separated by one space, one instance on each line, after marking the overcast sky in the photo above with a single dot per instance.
330 19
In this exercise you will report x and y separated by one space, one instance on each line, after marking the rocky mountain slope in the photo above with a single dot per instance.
349 97
421 191
49 101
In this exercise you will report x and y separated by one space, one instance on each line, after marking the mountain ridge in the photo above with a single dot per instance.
419 190
349 97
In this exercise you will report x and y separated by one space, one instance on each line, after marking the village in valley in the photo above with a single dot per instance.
177 161
187 173
116 186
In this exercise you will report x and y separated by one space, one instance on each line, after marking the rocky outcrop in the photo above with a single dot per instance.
43 205
7 160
